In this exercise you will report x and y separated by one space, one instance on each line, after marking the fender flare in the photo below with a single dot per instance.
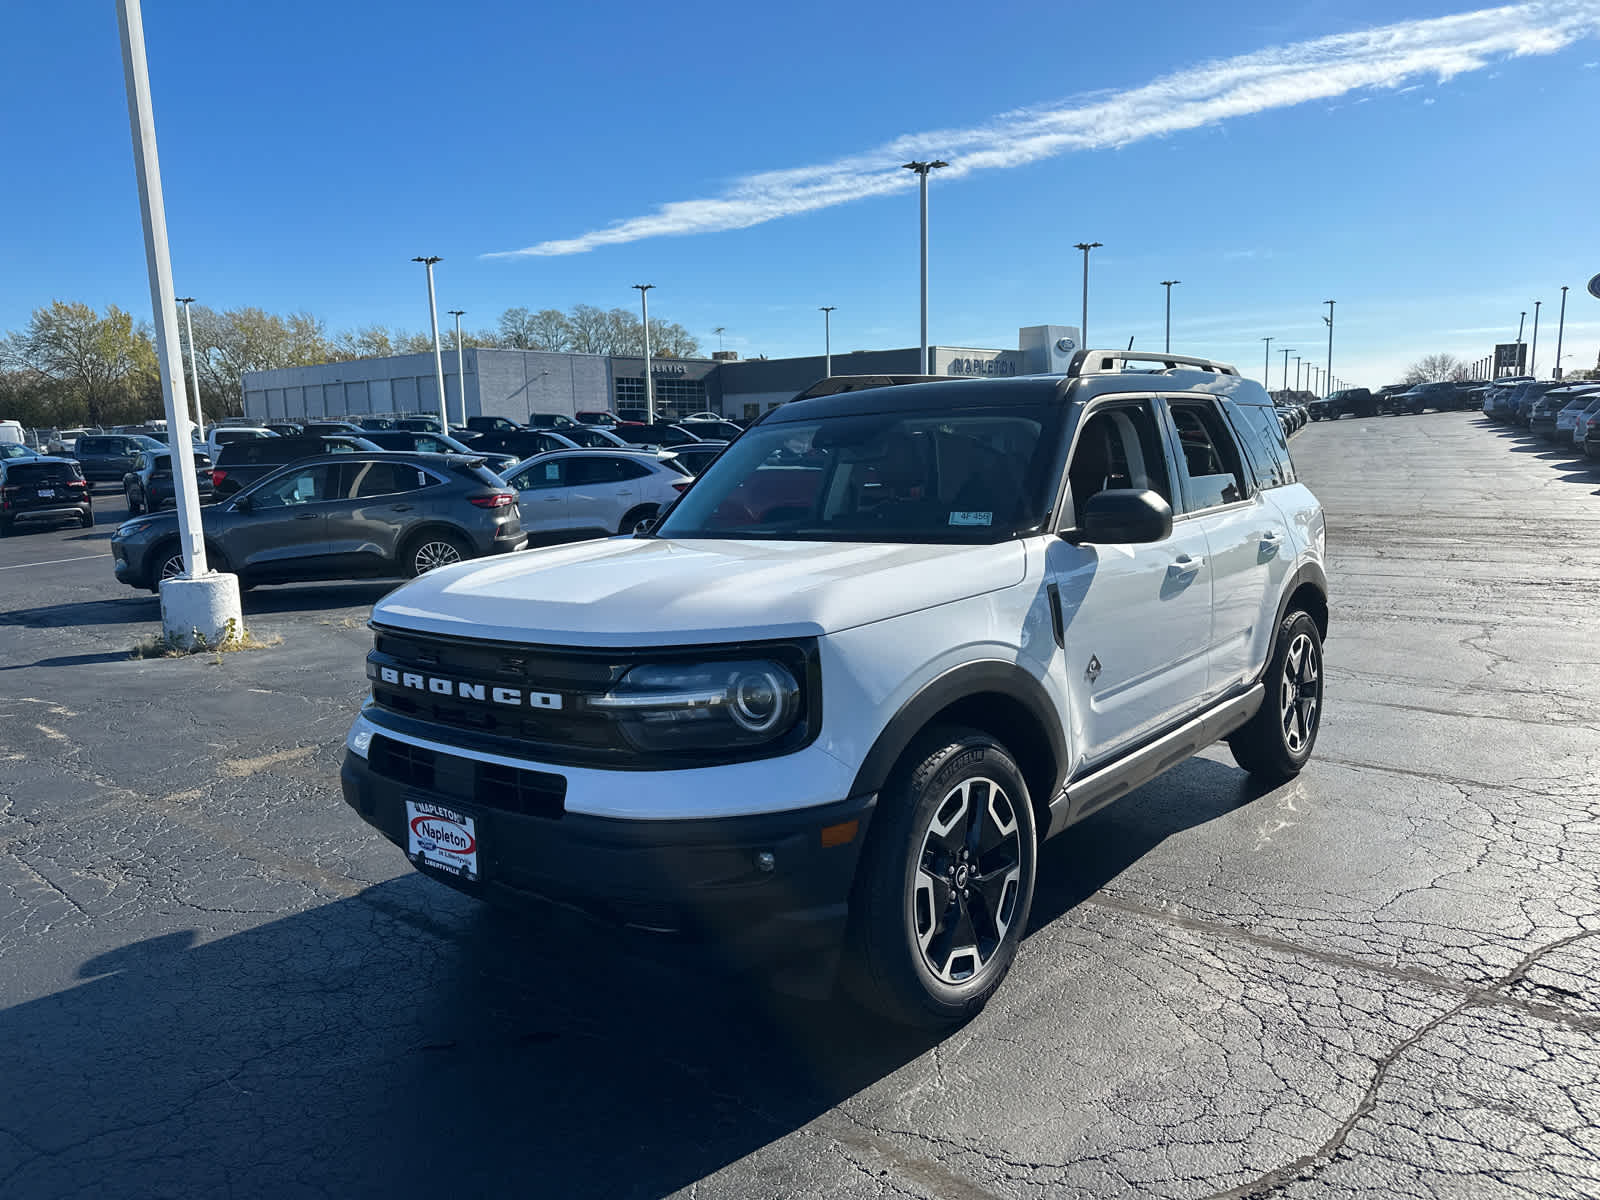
969 679
1306 573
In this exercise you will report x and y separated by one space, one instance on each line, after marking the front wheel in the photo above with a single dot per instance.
946 883
1275 743
631 519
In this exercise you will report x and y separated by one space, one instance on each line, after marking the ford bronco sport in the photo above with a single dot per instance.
825 710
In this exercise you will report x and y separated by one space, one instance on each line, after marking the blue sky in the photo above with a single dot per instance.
1434 176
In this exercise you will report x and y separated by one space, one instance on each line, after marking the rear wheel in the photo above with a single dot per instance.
86 519
633 516
944 888
1275 743
429 551
134 506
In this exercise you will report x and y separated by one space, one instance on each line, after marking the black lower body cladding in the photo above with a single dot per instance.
766 891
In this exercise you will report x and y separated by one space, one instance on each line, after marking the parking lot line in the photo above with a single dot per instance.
50 562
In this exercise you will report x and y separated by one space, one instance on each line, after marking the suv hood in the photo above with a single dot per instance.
653 592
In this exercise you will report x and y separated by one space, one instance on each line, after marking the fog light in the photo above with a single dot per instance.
765 861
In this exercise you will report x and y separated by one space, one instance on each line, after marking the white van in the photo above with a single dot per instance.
11 431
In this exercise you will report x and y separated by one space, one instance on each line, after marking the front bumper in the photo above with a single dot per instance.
704 883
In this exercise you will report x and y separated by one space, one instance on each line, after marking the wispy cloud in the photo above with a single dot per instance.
1388 56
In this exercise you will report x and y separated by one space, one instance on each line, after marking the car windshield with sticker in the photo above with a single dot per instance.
961 476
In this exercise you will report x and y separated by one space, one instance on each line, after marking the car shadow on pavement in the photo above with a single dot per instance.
302 597
406 1041
124 610
1089 855
72 660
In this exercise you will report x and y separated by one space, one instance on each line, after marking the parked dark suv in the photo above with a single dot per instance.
340 516
524 443
43 491
239 464
149 487
107 457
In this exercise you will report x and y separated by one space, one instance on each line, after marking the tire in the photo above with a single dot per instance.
1275 743
909 955
86 520
429 551
642 512
166 561
133 509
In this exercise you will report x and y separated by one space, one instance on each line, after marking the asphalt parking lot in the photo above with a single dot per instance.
1377 980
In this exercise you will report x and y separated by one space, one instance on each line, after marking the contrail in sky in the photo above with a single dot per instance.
1384 57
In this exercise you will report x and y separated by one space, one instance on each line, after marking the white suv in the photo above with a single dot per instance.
573 493
824 712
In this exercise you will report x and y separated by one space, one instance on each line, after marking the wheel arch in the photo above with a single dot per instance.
431 527
1307 590
998 698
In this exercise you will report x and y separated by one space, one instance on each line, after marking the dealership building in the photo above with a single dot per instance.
515 383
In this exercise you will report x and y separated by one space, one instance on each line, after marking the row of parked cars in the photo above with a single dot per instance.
1561 411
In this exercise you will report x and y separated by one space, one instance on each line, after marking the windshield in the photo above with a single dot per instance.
963 476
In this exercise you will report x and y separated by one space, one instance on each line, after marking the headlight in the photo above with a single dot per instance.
672 706
129 529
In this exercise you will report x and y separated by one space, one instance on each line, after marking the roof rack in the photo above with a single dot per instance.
1106 362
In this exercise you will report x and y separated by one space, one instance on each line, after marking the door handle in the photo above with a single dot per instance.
401 507
553 499
1184 566
305 516
1270 542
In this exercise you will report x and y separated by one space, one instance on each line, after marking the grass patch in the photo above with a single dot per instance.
234 637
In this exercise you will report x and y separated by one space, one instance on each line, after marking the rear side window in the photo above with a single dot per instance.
1209 456
1262 438
387 478
99 445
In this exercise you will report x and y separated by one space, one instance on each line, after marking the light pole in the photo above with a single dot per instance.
1169 284
461 367
1533 354
1083 321
1329 320
827 339
197 602
1297 372
649 387
438 355
1286 354
1266 364
1561 329
188 325
1517 366
922 169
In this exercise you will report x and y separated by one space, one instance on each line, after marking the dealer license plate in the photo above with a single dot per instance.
443 838
47 493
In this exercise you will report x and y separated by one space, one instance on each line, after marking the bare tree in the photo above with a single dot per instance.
589 329
1434 368
551 330
516 329
672 340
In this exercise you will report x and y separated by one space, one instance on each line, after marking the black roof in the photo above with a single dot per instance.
1018 390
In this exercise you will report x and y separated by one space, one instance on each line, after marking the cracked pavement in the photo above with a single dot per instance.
1376 980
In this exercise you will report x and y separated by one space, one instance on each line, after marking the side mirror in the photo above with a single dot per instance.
241 504
1123 515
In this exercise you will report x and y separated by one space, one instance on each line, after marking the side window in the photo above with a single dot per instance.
628 469
1119 446
306 486
1214 474
385 479
540 476
1261 435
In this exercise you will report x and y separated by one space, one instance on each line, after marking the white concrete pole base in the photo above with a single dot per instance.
203 608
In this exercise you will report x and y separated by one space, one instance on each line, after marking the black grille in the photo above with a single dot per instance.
487 785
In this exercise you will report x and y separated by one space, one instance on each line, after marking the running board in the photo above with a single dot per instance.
1094 791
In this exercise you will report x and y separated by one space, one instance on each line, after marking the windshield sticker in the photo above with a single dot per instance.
972 518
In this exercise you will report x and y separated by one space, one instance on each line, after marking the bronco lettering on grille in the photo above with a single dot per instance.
483 693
